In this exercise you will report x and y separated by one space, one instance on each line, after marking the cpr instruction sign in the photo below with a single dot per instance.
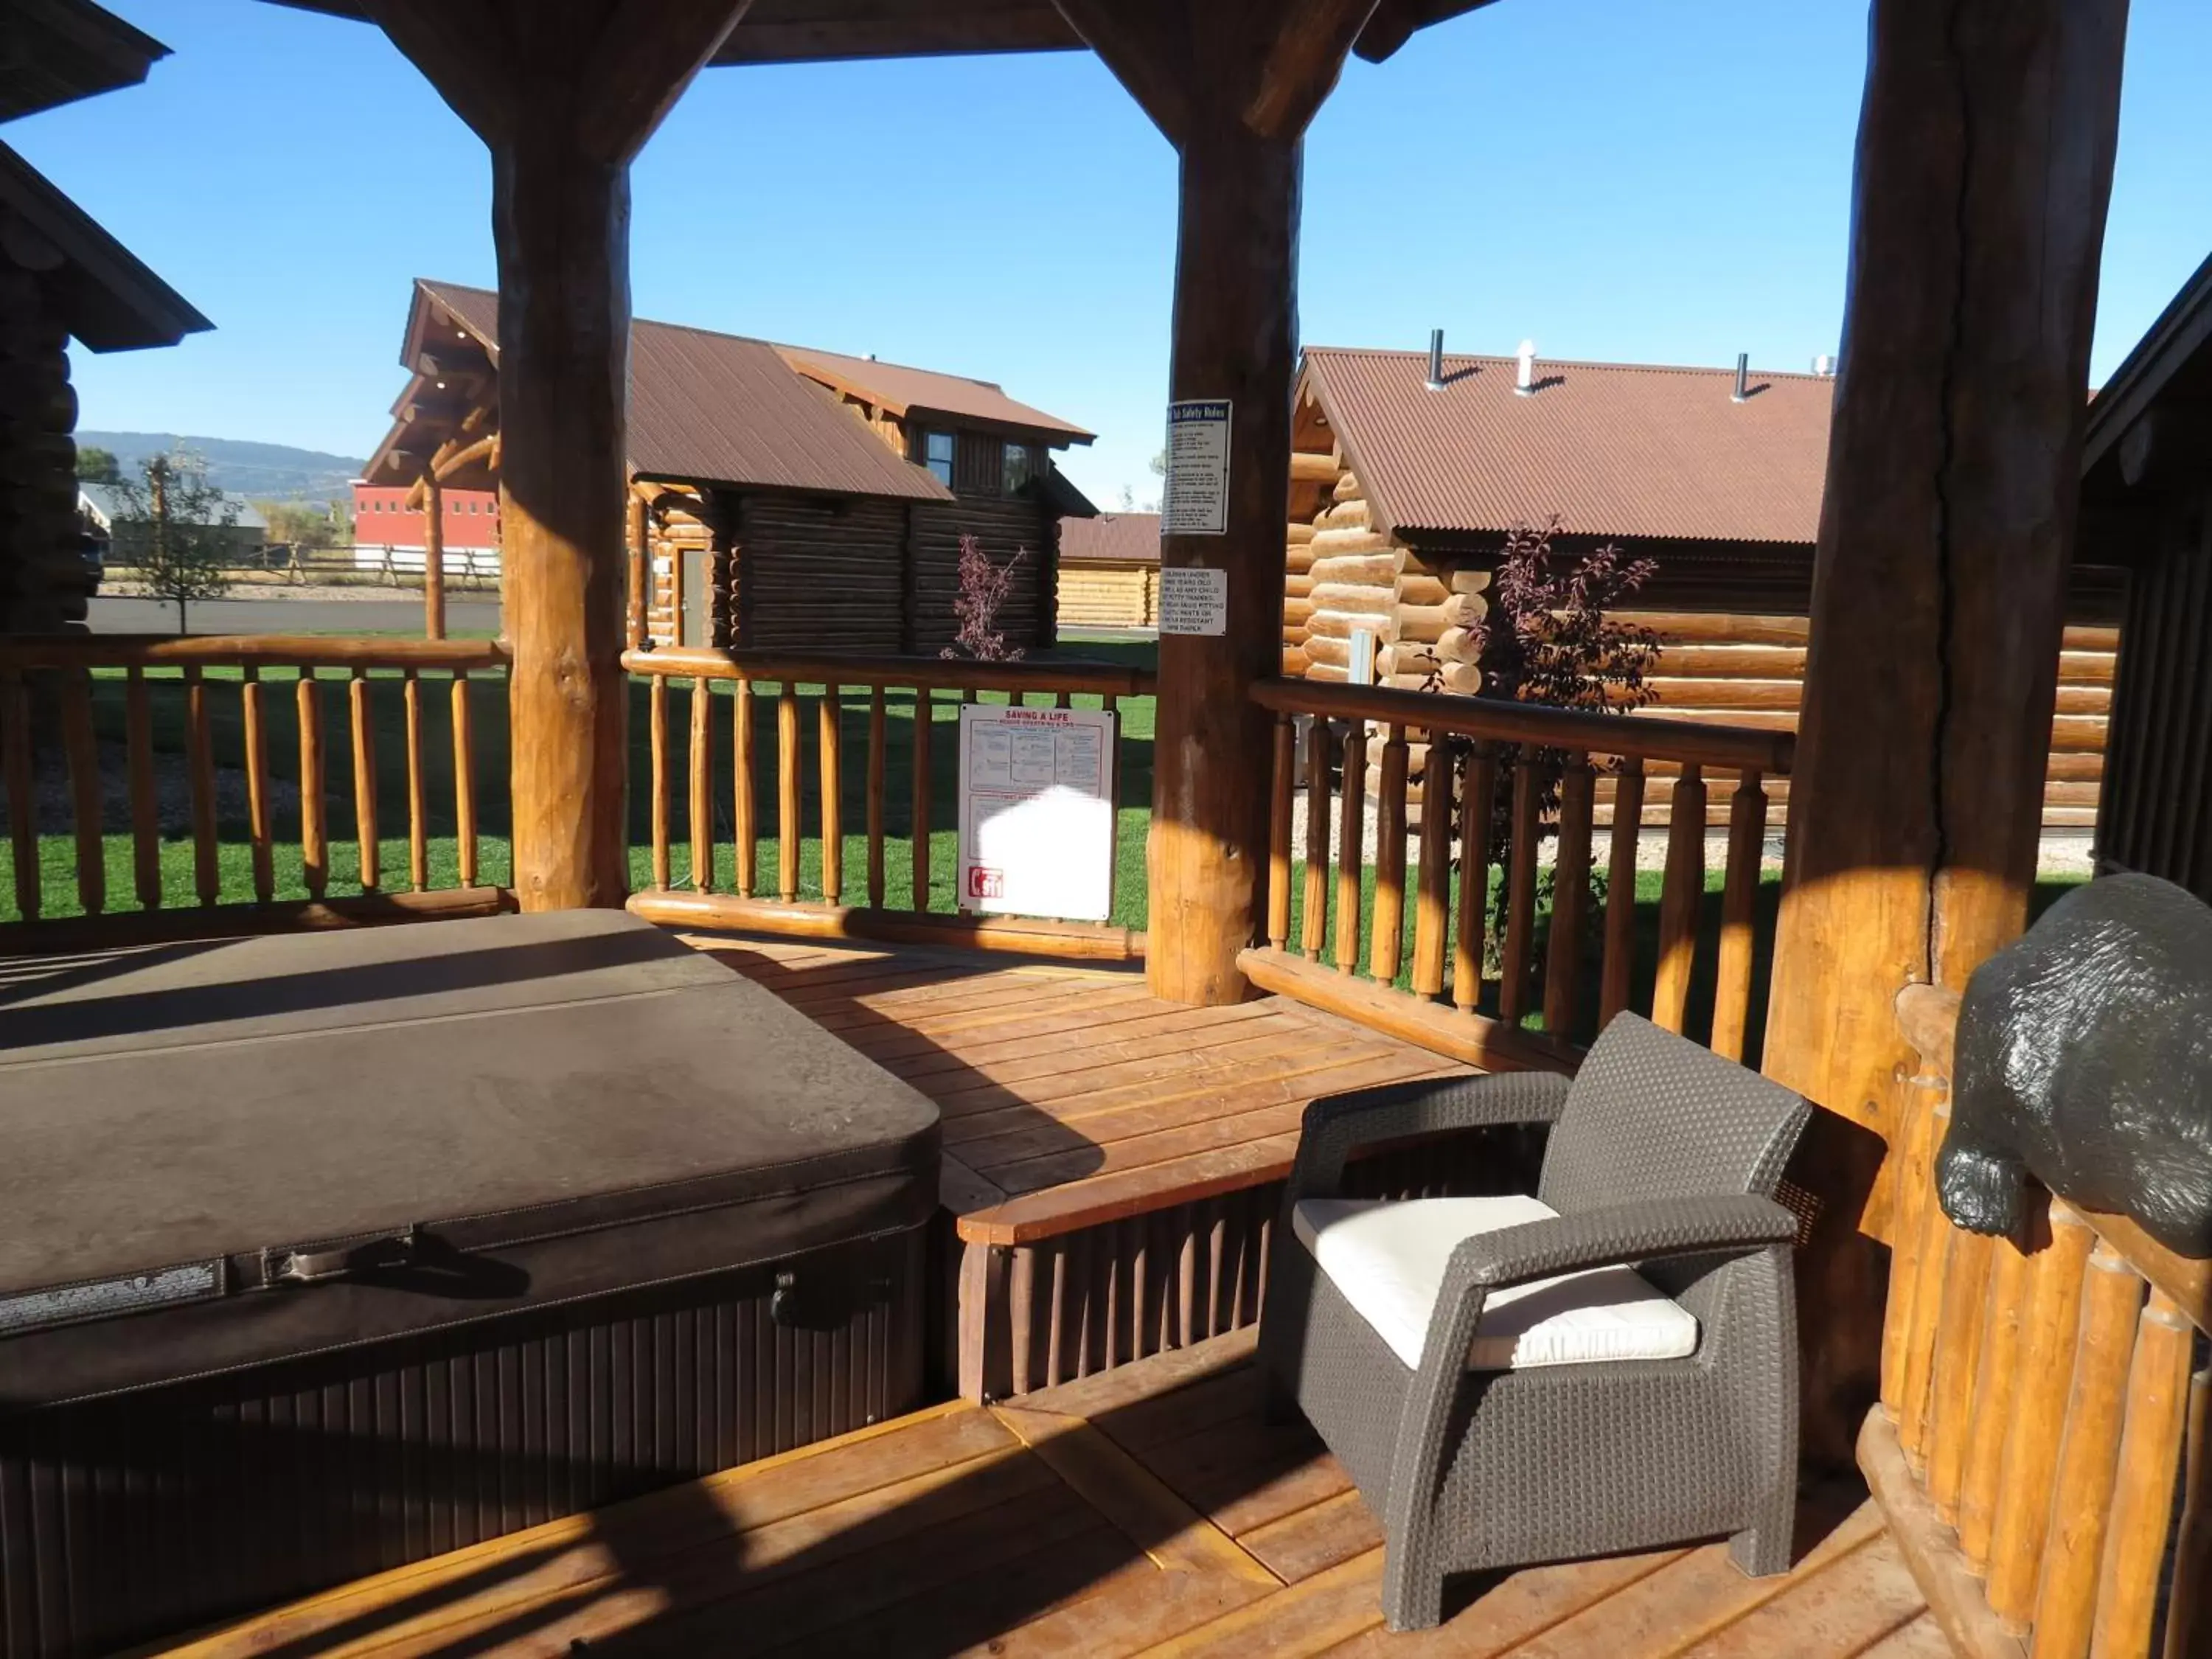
1037 812
1195 502
1194 599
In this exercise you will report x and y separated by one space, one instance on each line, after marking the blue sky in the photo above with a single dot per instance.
1655 180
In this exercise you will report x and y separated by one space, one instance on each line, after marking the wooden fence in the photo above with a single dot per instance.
183 681
2042 1398
755 894
1448 1003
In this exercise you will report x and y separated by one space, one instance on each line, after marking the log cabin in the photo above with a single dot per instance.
1109 571
63 278
780 497
2147 507
1410 470
2032 1415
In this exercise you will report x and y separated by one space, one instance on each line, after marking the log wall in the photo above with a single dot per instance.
1424 611
821 575
42 582
1004 527
1110 593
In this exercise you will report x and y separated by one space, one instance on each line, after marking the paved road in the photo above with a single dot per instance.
125 616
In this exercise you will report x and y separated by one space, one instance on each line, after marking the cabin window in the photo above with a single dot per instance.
1016 468
937 455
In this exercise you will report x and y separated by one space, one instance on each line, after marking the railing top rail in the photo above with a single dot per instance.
935 674
1729 747
234 650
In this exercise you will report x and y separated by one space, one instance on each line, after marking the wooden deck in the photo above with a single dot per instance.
1142 1511
1071 1096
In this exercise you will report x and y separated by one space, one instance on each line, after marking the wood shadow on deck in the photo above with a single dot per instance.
1146 1510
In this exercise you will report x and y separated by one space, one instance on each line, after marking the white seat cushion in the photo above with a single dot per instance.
1388 1258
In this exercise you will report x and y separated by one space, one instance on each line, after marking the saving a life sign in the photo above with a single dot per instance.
1037 812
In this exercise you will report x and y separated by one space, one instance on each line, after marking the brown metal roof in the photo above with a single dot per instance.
1614 449
1117 536
900 390
722 409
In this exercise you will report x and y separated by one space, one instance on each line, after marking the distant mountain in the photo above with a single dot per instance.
264 473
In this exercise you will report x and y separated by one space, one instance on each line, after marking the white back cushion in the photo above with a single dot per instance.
1388 1259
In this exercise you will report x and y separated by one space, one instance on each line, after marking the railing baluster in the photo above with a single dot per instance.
257 785
1747 844
1930 1263
1313 932
1570 873
1619 969
81 747
1388 943
465 778
314 821
2142 1493
199 751
418 814
1281 797
145 803
876 763
1478 807
924 718
2088 1457
22 805
1991 1412
657 711
830 722
1351 833
787 792
702 785
2189 1613
1432 886
744 812
1679 900
1957 1363
1521 893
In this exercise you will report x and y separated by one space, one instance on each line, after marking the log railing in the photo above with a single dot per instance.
855 763
2044 1443
176 738
1532 990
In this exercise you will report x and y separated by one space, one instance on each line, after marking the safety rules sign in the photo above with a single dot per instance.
1195 502
1037 812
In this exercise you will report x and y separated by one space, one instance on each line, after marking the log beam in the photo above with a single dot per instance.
434 556
1984 166
564 93
1232 84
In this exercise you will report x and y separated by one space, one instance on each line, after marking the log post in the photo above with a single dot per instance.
563 101
433 555
1985 165
1232 84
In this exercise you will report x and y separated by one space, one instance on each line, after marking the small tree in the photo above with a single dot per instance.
179 526
1549 638
984 587
97 466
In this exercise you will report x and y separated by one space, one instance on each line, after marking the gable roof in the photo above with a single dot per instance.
2166 349
902 391
60 51
721 409
1615 449
109 300
106 501
1119 537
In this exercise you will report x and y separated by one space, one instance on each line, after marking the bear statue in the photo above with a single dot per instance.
2084 1058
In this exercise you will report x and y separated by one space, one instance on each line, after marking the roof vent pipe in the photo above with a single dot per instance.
1824 365
1436 360
1742 378
1524 373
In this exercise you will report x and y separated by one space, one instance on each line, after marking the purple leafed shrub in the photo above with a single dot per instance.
984 587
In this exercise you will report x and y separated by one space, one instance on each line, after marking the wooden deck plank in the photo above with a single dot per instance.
1864 1597
1127 1069
1689 1599
1090 1202
1027 1532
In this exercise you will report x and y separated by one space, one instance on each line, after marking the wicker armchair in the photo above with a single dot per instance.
1481 1450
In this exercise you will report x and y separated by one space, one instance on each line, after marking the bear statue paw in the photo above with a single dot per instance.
1980 1191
